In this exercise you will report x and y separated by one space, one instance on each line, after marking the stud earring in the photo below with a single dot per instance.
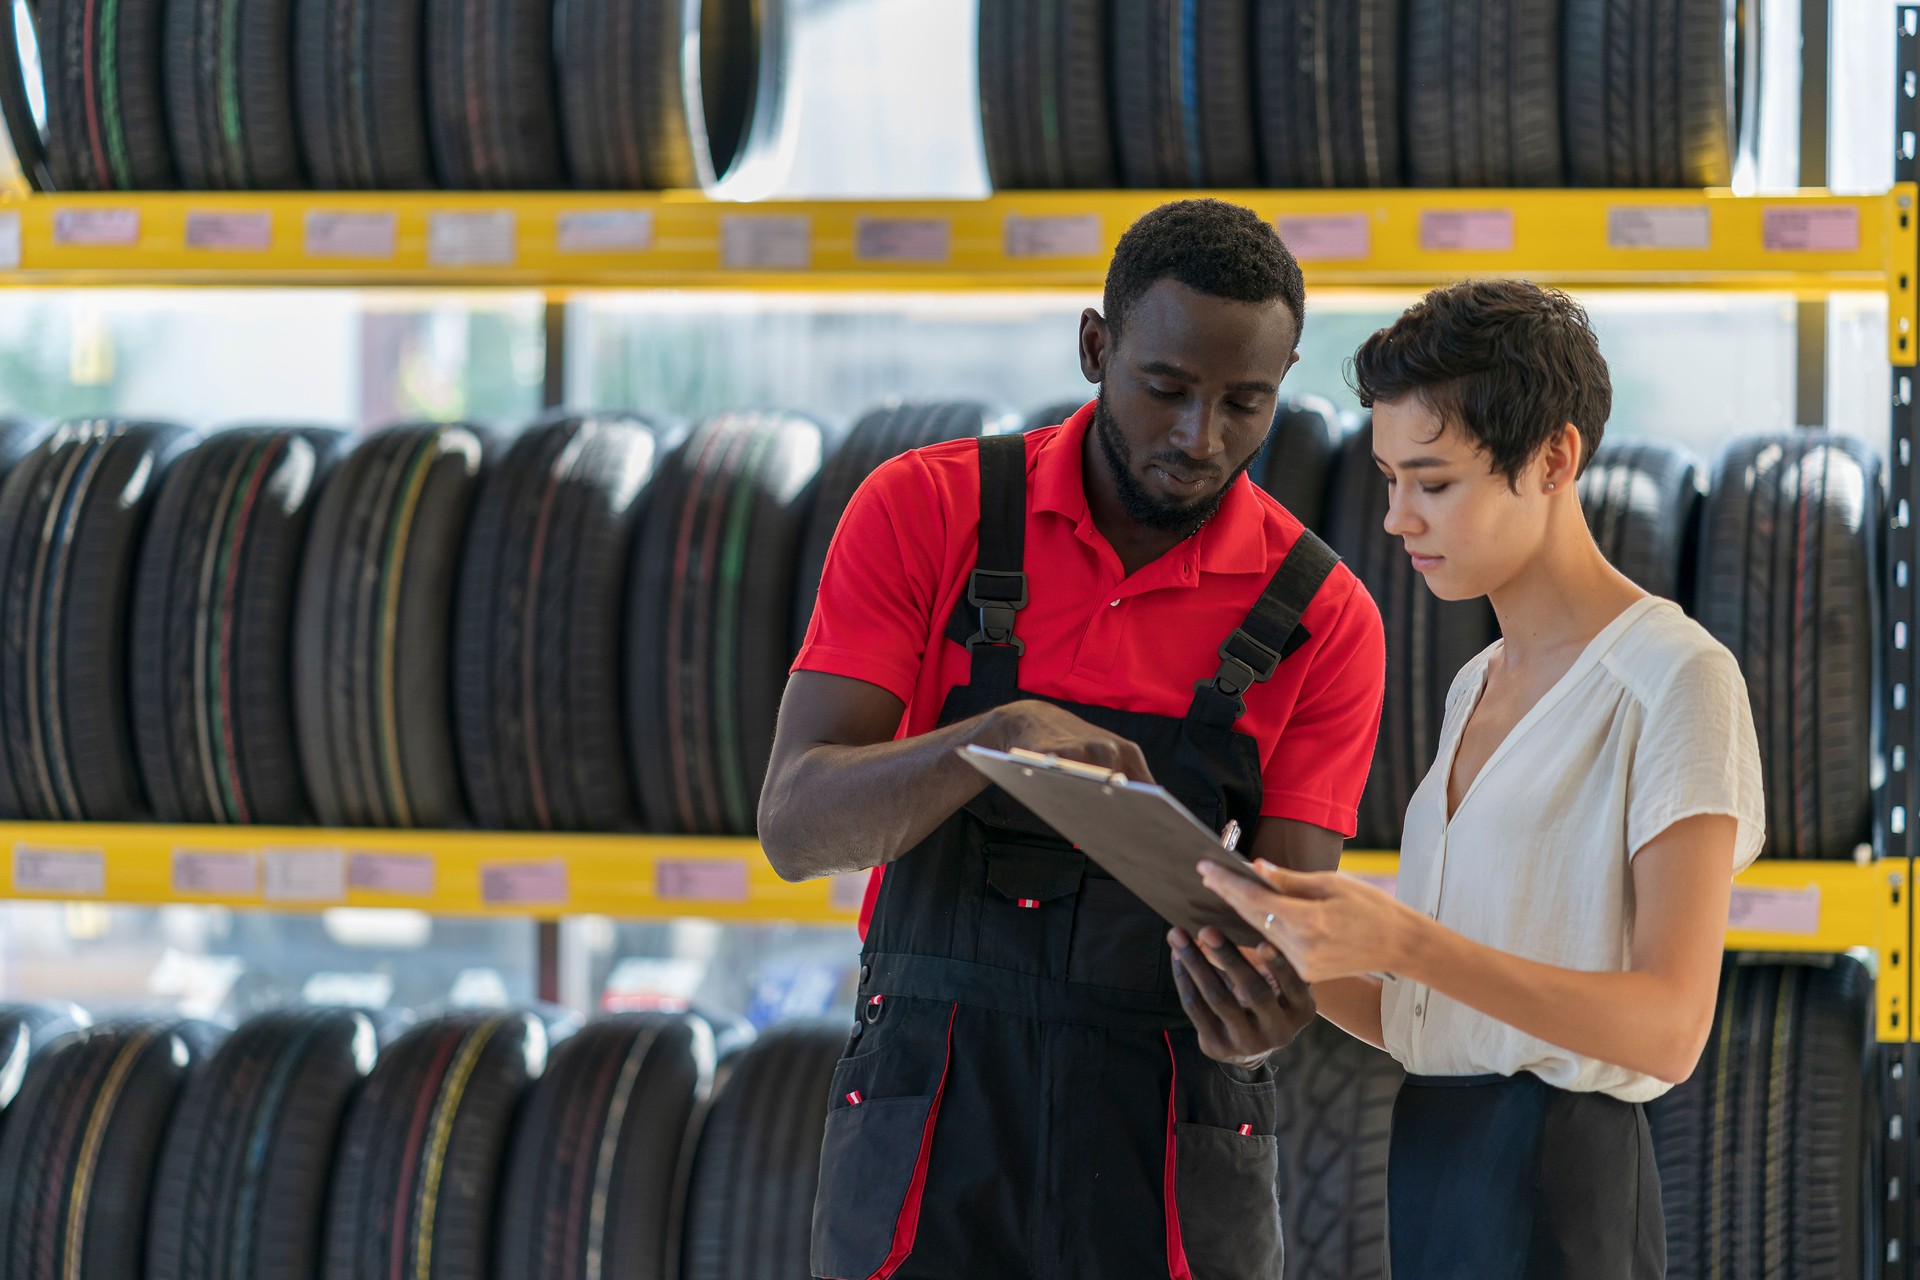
1552 487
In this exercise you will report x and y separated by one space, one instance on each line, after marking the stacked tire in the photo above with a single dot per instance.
372 629
1764 1151
1790 581
711 615
537 641
72 512
1232 94
352 94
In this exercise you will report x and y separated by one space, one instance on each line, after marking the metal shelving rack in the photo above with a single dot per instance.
1809 244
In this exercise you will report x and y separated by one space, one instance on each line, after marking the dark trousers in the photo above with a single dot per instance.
1509 1178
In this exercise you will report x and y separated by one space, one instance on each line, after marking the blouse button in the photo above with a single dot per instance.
1420 1011
1112 604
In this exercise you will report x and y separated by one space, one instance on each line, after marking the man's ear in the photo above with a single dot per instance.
1096 343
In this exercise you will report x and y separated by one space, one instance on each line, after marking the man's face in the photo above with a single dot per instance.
1187 397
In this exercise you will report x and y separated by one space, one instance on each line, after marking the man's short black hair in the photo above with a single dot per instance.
1506 361
1211 247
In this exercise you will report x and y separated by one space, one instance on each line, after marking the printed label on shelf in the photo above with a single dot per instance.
305 875
778 244
505 884
848 892
1823 230
232 875
410 874
1334 237
229 230
1466 231
72 873
1775 910
1657 226
688 880
605 231
9 241
903 240
351 235
1076 235
97 228
472 239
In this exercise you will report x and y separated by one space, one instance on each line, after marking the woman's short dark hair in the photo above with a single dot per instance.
1506 361
1211 247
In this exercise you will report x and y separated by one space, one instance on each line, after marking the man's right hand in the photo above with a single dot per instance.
1033 725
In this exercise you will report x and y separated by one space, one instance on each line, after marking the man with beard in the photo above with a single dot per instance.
1043 1080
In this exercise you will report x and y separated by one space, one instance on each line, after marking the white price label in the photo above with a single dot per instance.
848 892
97 228
1821 230
351 235
1659 226
605 231
9 241
1466 230
205 871
472 239
766 243
522 883
1077 235
71 873
406 874
305 875
1775 910
687 880
252 231
1339 237
903 240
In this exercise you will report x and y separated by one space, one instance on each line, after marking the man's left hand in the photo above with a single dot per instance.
1244 1002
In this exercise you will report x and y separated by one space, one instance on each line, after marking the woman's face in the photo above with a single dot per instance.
1466 529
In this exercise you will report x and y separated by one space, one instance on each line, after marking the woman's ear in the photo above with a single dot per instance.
1561 457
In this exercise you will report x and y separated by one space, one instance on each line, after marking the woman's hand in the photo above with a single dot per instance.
1326 924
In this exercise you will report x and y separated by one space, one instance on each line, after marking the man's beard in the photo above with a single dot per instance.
1164 514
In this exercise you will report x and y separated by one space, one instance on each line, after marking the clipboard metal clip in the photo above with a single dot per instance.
1092 772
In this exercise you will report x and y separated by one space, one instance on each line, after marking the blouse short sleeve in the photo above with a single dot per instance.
1697 753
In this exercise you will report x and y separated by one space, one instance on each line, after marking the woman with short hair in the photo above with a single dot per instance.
1552 958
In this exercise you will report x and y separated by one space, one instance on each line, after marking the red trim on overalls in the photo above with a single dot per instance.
907 1225
1176 1247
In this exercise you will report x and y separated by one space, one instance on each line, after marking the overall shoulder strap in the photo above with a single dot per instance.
1270 633
997 589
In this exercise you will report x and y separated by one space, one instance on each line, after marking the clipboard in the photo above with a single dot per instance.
1142 835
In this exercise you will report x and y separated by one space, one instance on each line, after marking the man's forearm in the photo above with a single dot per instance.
850 808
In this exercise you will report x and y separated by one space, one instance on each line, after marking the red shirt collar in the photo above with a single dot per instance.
1233 541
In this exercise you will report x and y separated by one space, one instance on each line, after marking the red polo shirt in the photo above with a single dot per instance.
906 546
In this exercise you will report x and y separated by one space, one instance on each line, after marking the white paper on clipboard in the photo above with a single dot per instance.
1144 837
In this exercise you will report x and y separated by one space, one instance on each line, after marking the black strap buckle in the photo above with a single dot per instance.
1244 662
999 596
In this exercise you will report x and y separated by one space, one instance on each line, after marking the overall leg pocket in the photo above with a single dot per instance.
1228 1202
867 1166
874 1158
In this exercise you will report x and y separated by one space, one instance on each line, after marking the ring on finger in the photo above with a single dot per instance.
1269 919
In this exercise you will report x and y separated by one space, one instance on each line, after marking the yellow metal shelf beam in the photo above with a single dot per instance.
1778 906
1808 241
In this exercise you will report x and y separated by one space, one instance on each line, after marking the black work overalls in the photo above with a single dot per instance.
1023 1097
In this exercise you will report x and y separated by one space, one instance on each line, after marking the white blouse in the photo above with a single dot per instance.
1651 724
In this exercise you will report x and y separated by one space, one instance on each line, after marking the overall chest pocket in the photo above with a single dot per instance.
1026 920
